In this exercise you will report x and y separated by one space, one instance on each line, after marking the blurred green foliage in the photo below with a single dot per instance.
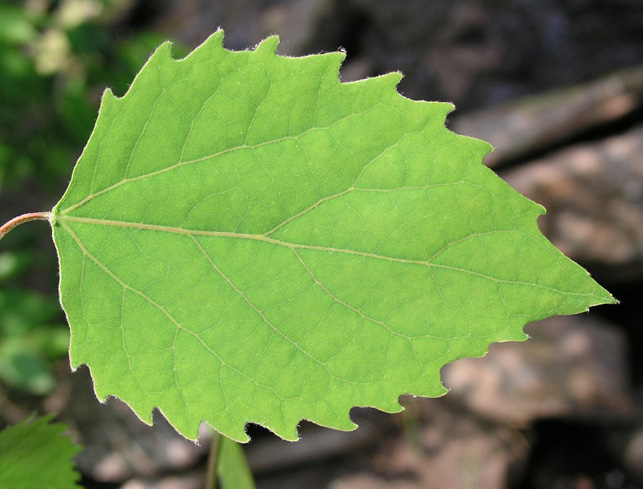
56 58
31 339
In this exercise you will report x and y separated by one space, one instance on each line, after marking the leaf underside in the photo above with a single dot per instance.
246 239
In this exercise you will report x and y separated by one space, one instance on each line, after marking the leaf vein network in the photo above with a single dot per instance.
176 323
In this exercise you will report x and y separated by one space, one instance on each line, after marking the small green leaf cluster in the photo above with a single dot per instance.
52 61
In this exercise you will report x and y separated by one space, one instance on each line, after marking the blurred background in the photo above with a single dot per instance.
555 85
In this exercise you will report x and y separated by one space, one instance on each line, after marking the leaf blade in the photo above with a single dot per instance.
246 239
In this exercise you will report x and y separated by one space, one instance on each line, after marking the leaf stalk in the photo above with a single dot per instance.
16 221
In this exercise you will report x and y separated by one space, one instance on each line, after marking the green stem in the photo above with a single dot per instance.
213 458
16 221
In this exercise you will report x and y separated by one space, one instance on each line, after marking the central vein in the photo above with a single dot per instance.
294 246
223 234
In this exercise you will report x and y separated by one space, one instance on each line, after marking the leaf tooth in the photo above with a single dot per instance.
289 431
163 52
156 60
391 81
268 45
216 39
212 43
108 97
335 61
238 433
393 78
387 81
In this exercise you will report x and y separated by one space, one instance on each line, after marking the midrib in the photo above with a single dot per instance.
297 246
224 234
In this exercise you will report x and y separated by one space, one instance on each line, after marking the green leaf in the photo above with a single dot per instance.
232 466
246 239
34 454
